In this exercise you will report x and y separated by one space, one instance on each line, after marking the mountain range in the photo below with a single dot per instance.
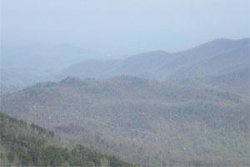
212 62
220 58
189 108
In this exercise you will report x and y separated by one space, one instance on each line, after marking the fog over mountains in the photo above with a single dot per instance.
212 61
189 108
124 83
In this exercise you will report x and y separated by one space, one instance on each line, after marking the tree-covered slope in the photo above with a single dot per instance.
139 120
23 144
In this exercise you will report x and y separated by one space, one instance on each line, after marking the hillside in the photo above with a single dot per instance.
140 120
239 81
23 144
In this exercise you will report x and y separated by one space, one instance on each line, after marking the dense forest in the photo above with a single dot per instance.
23 144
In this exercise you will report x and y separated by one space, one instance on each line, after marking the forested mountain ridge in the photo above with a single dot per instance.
140 120
23 144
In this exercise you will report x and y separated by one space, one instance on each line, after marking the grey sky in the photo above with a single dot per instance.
123 25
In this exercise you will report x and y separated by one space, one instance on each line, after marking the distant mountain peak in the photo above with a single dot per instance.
217 45
224 41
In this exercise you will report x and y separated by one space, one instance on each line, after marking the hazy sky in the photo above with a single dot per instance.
123 25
